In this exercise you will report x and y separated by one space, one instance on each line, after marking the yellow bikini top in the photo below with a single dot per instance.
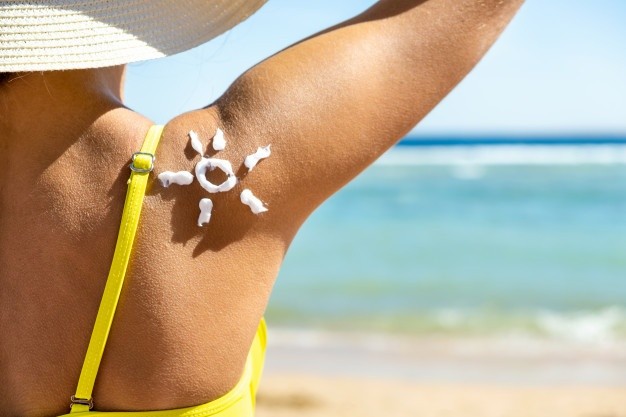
238 402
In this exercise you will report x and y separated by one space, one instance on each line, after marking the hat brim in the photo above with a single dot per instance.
76 34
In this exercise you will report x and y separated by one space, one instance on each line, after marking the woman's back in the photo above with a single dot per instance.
193 296
191 302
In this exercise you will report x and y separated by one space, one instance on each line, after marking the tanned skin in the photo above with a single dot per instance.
193 297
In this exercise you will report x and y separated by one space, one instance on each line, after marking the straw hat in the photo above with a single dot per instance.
44 35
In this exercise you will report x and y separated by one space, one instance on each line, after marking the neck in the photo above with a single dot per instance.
42 114
53 96
34 102
108 81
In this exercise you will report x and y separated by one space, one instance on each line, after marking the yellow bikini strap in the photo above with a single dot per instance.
141 165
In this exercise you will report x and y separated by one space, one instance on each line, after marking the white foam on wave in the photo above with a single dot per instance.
597 327
591 327
473 157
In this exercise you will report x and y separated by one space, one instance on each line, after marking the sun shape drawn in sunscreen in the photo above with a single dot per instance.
205 165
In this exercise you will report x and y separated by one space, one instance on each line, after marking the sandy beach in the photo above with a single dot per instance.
318 374
317 396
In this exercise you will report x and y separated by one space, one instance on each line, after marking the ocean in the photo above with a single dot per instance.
468 238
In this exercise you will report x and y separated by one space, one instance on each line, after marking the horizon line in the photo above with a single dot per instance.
473 139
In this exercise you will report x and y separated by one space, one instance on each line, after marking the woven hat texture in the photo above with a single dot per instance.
75 34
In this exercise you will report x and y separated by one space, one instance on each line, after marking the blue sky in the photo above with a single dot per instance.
559 68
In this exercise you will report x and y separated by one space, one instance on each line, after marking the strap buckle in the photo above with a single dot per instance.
140 169
83 401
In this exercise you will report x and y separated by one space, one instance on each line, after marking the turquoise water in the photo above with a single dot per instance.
534 250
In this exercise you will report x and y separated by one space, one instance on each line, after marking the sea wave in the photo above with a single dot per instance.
605 325
592 326
479 155
588 327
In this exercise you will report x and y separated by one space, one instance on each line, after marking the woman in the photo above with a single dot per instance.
193 296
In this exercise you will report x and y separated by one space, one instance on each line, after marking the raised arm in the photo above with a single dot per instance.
331 104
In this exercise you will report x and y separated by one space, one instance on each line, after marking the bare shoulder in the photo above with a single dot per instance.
246 207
